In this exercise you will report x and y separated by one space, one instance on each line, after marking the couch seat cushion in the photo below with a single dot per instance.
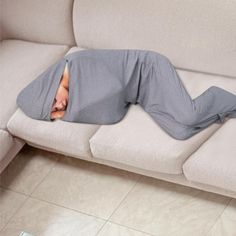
20 63
215 162
138 141
60 136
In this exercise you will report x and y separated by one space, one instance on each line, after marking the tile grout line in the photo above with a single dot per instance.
15 191
77 211
101 228
17 210
29 194
67 208
50 203
124 197
231 199
113 222
45 176
55 204
107 220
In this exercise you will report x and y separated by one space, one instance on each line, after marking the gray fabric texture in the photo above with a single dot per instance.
104 82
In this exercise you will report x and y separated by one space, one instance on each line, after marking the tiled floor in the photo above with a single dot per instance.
48 194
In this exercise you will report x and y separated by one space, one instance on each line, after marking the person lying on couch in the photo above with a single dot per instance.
96 86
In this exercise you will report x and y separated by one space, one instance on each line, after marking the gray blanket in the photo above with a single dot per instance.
104 82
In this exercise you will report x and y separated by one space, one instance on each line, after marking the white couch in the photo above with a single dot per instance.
197 36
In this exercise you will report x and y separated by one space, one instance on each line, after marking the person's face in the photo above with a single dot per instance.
60 102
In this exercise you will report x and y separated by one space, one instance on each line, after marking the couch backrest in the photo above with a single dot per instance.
47 21
196 35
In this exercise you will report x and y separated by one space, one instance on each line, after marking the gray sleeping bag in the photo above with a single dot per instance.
104 82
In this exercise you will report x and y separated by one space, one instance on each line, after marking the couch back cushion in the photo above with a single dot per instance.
48 21
194 35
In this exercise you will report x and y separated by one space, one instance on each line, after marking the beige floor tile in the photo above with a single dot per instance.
9 203
28 169
226 223
161 208
42 219
88 187
111 229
